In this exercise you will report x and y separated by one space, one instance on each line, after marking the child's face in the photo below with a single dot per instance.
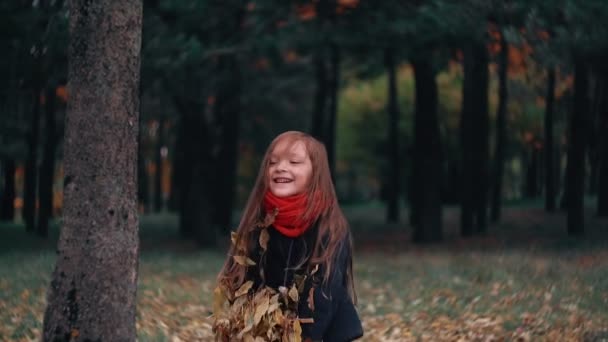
290 169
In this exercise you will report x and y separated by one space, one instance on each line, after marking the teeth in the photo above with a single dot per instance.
282 180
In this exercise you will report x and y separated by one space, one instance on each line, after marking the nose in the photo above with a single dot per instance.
282 165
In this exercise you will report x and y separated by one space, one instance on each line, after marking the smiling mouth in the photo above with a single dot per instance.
282 180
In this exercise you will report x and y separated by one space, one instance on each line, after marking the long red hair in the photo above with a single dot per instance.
332 225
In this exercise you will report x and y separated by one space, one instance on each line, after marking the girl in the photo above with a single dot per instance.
308 237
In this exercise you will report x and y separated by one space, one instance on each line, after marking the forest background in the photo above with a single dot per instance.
468 131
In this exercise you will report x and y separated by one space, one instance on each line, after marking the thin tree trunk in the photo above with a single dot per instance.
602 192
467 144
31 166
7 211
392 213
481 136
334 86
532 173
501 131
550 191
474 134
576 150
158 176
142 174
48 167
228 113
92 295
427 154
319 108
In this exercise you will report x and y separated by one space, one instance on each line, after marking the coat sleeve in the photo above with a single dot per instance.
327 298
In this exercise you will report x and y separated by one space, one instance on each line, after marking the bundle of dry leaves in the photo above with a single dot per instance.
255 315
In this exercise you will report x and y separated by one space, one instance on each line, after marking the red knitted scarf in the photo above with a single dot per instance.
290 220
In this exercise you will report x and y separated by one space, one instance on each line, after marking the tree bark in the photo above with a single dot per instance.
7 211
550 191
501 130
93 289
427 154
392 212
31 165
47 169
575 171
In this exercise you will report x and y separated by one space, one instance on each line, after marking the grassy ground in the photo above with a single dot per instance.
523 281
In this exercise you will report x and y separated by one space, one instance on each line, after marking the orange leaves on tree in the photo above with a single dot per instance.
290 56
62 93
306 11
261 64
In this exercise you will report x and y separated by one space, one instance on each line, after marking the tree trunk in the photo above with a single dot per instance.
142 175
575 171
195 214
501 131
550 193
31 165
602 192
474 135
92 296
392 213
7 211
532 173
466 142
334 87
158 176
228 114
47 169
427 154
319 108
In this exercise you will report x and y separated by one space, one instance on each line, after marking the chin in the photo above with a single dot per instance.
283 193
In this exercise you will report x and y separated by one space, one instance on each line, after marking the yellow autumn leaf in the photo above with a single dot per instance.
244 288
264 237
274 303
243 260
293 294
297 329
260 309
218 300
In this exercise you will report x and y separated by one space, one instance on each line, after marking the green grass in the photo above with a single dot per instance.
524 276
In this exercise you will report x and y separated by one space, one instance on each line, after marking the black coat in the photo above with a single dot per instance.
335 316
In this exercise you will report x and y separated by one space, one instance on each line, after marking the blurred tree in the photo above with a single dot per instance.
394 182
501 129
474 135
602 200
575 172
92 292
550 164
7 208
427 153
47 169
